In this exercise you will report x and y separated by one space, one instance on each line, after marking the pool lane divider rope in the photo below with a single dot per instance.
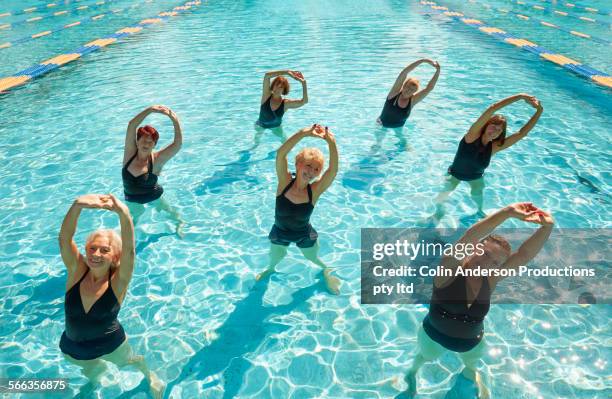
91 6
582 7
53 63
586 71
30 10
84 21
560 13
544 23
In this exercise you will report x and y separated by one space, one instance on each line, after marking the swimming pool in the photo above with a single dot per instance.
190 306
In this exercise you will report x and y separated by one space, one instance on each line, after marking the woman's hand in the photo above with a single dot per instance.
297 75
95 201
117 206
521 210
329 136
541 217
534 102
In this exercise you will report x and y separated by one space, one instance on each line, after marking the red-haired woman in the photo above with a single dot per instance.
486 137
273 105
141 165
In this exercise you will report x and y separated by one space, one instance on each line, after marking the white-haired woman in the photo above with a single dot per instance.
97 284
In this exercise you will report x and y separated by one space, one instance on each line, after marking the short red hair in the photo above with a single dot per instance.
149 131
281 80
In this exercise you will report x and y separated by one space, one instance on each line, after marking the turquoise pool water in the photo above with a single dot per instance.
191 307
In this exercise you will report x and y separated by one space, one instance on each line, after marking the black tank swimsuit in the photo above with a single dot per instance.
448 313
471 160
393 115
269 118
142 188
91 335
292 221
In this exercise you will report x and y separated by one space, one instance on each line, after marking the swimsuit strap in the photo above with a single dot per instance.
288 186
84 274
131 159
309 194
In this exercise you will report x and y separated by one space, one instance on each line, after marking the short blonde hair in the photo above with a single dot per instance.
310 154
114 241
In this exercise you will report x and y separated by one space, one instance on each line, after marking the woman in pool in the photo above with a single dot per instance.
96 286
405 94
141 165
273 105
459 304
486 137
296 198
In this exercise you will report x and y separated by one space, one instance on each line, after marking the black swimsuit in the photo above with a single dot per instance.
471 160
448 313
392 114
292 221
142 188
269 118
93 334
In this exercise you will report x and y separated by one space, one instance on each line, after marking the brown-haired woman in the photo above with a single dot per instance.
141 165
95 288
486 137
273 105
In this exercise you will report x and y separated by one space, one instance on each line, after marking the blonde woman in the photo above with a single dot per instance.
96 286
296 198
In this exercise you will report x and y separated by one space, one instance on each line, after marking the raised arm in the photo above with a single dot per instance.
265 92
474 131
282 166
329 175
172 149
298 103
126 263
432 83
397 86
522 133
532 246
68 248
481 229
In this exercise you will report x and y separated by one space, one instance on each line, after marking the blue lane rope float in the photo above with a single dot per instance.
53 63
592 74
91 6
538 21
581 7
84 21
560 13
32 9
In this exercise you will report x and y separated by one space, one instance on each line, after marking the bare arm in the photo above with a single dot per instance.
474 131
330 174
172 149
397 86
265 92
68 248
522 133
282 167
432 83
126 264
298 103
